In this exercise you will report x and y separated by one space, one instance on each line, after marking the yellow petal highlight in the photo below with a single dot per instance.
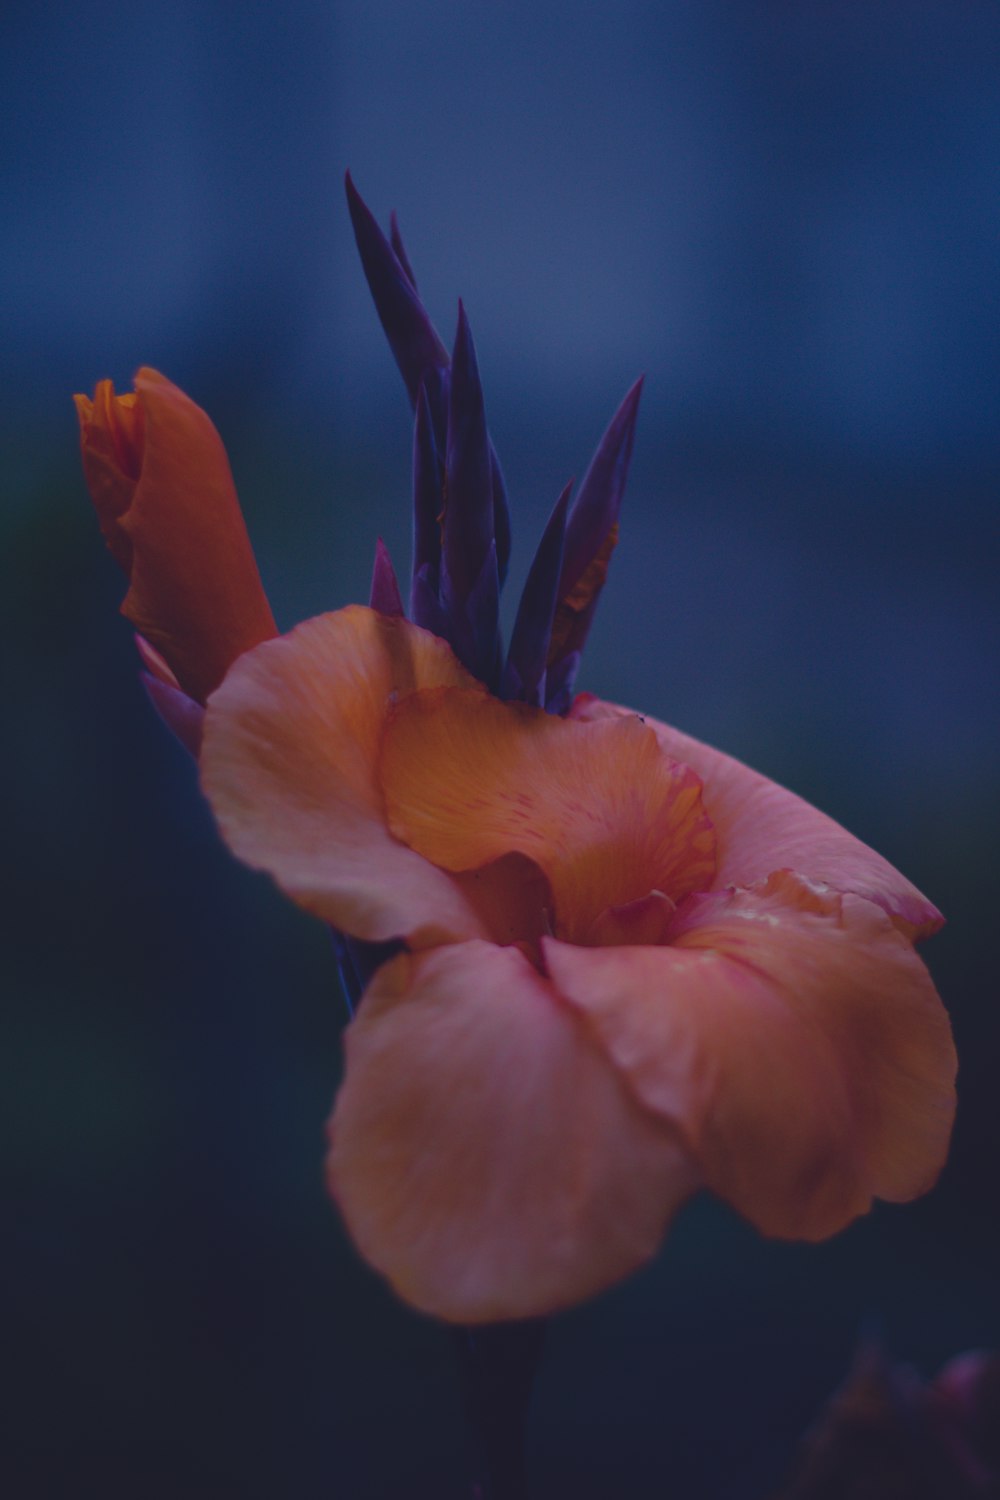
793 1038
164 495
288 763
598 807
486 1158
761 827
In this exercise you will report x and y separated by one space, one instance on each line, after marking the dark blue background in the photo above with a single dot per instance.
788 217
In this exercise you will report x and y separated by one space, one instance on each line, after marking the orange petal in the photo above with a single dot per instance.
288 764
598 807
161 485
761 827
486 1158
793 1038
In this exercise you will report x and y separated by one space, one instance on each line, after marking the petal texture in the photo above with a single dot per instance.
288 763
486 1158
599 808
161 484
761 827
794 1039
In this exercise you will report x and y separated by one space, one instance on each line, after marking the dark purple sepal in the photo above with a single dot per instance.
399 249
411 334
426 609
385 595
418 350
473 626
599 498
428 490
591 537
483 613
501 517
524 674
468 515
182 715
559 682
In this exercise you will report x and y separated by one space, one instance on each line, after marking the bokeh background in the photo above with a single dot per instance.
786 216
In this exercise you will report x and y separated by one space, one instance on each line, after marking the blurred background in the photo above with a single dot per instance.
788 218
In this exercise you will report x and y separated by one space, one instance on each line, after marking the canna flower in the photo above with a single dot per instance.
603 965
631 967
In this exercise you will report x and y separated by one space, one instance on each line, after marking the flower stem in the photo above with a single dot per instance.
499 1362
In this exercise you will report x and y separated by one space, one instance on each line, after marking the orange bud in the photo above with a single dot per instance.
163 491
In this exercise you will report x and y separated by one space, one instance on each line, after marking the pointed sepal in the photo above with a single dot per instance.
591 537
428 487
182 715
501 518
598 502
409 330
426 609
419 352
385 596
468 514
524 674
396 241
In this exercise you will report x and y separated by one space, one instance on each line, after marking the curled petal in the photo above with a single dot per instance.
486 1158
162 488
761 827
288 764
599 808
795 1041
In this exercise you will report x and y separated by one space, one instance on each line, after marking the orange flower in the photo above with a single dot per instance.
632 967
161 485
623 965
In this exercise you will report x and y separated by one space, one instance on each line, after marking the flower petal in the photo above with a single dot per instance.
598 807
161 484
288 764
795 1040
761 827
486 1158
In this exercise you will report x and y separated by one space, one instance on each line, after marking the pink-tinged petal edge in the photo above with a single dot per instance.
795 1041
288 764
485 1157
761 827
